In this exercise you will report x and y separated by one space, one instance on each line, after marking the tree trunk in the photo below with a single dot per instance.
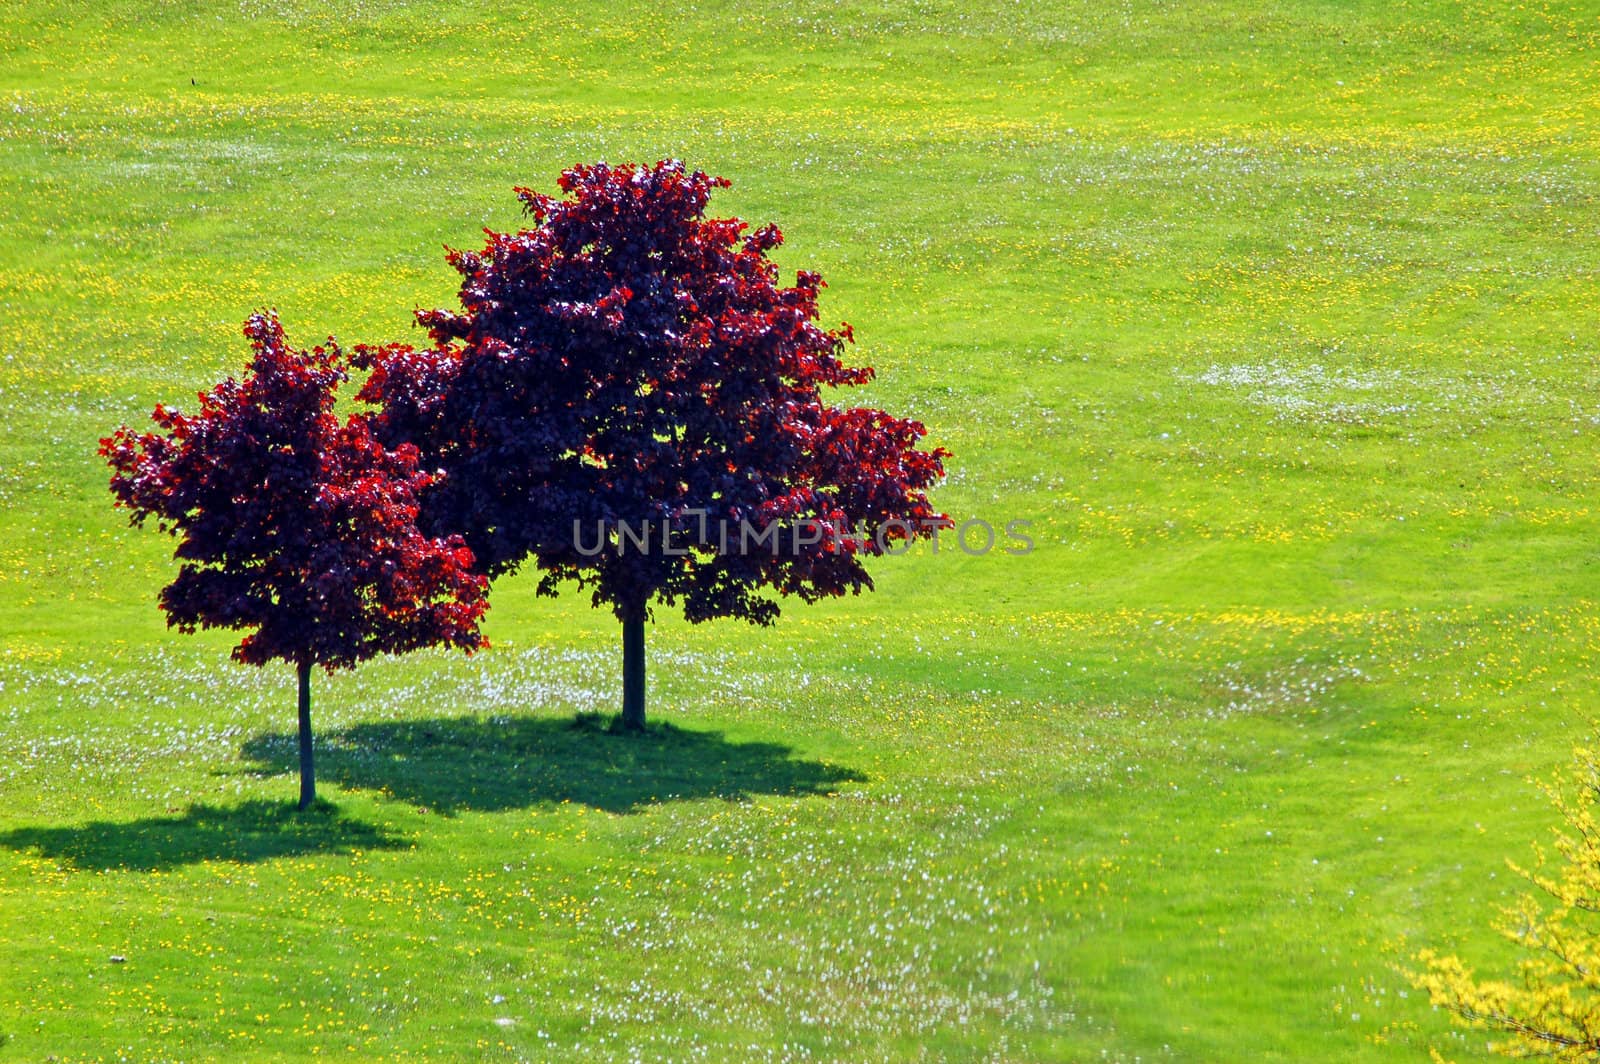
633 670
308 780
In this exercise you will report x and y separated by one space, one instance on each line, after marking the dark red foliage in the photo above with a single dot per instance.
630 361
292 523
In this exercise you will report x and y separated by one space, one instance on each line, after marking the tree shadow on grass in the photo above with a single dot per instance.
247 833
453 764
446 765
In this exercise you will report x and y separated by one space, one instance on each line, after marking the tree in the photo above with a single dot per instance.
295 525
630 374
1552 1009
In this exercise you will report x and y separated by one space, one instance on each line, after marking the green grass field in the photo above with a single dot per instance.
1278 322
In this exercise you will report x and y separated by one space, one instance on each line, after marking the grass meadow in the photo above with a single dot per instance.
1279 323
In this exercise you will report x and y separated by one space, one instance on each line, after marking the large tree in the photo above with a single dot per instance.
294 524
631 374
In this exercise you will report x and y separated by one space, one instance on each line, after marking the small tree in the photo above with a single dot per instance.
632 371
1552 1008
295 525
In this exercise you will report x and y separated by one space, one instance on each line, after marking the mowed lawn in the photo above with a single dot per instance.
1278 322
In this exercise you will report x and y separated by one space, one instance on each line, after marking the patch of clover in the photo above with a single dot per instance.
1312 392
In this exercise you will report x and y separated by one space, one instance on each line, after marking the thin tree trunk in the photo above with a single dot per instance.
308 780
633 670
